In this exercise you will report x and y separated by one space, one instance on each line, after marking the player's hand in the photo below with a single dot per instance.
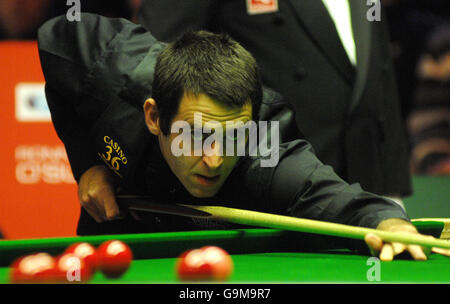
97 195
387 251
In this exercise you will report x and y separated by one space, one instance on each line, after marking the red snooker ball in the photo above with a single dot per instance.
85 251
34 268
114 258
206 263
70 268
191 266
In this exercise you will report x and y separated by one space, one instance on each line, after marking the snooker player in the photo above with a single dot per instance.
115 93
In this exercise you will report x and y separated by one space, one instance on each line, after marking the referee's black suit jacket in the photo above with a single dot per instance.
351 115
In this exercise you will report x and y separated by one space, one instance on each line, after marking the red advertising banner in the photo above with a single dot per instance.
38 195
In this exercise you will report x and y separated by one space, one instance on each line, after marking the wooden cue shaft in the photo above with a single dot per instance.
253 218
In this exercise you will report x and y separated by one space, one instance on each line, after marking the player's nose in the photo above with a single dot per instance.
213 157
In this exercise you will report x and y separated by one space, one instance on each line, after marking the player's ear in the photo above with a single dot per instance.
152 116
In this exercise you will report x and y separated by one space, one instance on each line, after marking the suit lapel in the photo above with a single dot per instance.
362 35
314 17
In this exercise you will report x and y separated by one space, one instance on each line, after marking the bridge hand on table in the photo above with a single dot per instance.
441 251
387 251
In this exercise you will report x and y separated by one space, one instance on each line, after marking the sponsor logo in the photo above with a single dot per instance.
261 6
114 156
31 104
40 163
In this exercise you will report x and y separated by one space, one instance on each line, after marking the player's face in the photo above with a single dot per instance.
203 172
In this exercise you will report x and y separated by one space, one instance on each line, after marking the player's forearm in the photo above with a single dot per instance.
306 188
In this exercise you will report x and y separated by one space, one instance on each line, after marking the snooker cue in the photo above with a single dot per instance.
253 218
282 222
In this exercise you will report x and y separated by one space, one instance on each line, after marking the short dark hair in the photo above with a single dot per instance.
204 62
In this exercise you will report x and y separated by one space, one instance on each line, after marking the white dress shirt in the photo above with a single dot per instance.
339 11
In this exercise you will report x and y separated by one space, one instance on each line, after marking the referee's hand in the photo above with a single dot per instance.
97 195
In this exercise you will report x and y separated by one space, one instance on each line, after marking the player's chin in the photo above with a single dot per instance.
203 192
